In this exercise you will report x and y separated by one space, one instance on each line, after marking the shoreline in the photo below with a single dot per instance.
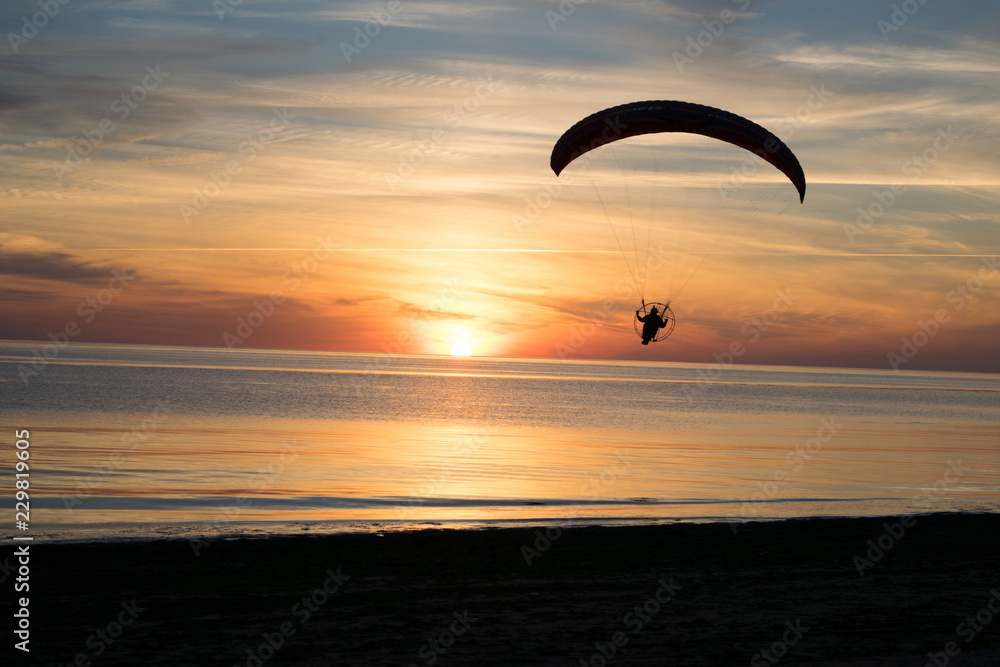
681 593
127 532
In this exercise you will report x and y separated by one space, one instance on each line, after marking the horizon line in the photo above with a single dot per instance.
546 250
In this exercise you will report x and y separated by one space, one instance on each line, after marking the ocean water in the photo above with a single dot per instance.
130 441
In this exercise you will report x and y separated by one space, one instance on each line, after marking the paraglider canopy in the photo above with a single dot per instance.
637 118
669 221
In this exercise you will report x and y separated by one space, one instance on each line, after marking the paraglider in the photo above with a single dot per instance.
658 317
732 183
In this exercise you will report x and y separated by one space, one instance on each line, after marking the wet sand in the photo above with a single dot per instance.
656 595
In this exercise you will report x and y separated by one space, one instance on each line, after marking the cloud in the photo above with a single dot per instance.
357 301
194 158
51 266
418 312
51 143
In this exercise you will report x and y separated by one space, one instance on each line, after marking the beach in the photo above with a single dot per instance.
791 591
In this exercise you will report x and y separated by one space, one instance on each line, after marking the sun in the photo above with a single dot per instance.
460 350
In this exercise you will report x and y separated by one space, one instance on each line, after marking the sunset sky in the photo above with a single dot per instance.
391 191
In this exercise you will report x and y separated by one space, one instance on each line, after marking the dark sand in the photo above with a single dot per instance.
733 597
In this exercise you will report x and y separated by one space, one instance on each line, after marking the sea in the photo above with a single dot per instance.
133 442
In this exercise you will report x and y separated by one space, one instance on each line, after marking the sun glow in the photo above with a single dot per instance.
460 350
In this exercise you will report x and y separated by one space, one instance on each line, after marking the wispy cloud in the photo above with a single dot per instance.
51 266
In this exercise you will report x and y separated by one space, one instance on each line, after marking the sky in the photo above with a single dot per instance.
374 177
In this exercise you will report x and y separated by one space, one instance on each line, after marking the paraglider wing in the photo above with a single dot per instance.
630 120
